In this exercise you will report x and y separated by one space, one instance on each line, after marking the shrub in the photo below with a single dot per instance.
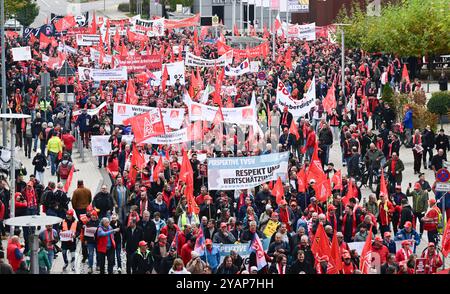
422 117
124 7
439 103
419 97
388 93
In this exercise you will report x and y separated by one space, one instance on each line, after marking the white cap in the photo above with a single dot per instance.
268 206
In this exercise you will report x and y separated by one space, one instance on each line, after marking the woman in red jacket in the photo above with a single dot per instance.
14 253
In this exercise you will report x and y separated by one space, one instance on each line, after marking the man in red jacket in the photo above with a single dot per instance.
386 210
382 250
68 141
431 220
310 143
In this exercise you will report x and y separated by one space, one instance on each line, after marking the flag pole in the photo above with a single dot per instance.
241 13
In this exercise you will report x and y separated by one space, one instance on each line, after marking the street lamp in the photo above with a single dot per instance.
3 71
12 188
342 58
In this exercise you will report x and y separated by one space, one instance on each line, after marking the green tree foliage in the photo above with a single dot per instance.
405 27
439 103
28 13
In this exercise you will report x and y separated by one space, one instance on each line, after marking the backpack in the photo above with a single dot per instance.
64 171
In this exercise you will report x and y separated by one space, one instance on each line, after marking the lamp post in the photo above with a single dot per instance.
3 73
12 188
341 25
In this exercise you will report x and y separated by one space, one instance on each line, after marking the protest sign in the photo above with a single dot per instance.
296 107
100 145
243 68
87 39
232 173
140 63
21 53
193 60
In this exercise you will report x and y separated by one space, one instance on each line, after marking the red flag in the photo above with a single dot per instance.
33 39
446 240
301 180
116 39
187 176
294 130
218 118
203 32
65 23
164 78
405 74
252 31
350 193
321 247
236 31
307 49
94 25
229 103
137 163
278 191
107 38
366 254
131 93
383 187
217 99
277 23
147 125
69 180
123 51
158 169
44 41
337 180
288 58
315 171
199 79
195 38
329 102
336 253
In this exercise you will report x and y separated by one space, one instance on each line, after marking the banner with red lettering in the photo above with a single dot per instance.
139 63
261 50
182 23
147 125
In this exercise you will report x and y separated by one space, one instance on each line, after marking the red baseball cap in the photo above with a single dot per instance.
162 236
406 242
70 212
432 201
331 207
208 242
417 186
94 212
408 224
142 243
379 239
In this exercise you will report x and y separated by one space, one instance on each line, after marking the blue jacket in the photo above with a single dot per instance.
408 120
391 246
83 121
403 235
212 258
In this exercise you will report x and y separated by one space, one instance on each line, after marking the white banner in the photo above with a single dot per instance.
66 236
175 71
95 56
172 117
243 68
306 32
233 173
67 49
254 66
91 112
100 145
194 60
116 74
176 137
87 40
152 28
296 107
238 115
21 53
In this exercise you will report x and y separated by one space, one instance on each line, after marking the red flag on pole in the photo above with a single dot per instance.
69 180
158 169
164 78
301 180
94 25
315 171
288 58
236 31
446 240
336 253
131 93
350 192
44 41
329 102
137 163
383 187
293 129
278 191
366 254
65 23
217 99
337 180
147 125
405 74
321 248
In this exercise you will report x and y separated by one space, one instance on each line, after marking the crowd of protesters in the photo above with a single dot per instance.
146 216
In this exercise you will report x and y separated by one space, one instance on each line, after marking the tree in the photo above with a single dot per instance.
439 104
405 27
28 13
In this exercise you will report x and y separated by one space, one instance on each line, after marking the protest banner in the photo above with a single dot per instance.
116 74
305 32
152 28
21 53
87 39
91 112
243 68
296 107
173 117
242 249
100 145
193 60
233 173
193 21
80 30
140 63
238 115
175 71
228 90
66 236
95 56
66 49
175 137
254 66
51 62
254 52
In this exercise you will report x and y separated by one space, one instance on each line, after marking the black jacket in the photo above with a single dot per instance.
149 231
407 214
131 239
325 136
304 266
142 262
39 162
442 142
207 210
103 201
222 270
427 139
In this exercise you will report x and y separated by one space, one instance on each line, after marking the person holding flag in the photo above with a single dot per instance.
211 255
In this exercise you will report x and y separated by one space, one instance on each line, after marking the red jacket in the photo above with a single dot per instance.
2 210
68 140
383 251
311 140
186 251
348 269
385 216
102 242
11 255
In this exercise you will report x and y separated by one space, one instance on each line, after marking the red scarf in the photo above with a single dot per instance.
334 222
31 197
284 217
344 221
417 139
284 120
393 165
